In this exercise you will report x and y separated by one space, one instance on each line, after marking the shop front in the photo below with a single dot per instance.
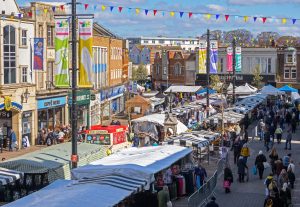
115 96
95 110
51 112
83 99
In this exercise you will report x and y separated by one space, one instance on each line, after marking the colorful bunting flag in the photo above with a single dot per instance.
254 19
172 14
45 11
30 14
129 10
19 15
264 19
111 8
190 14
245 18
294 21
137 10
283 20
53 8
146 12
217 16
181 14
62 7
226 17
95 7
104 7
208 16
154 12
120 9
86 6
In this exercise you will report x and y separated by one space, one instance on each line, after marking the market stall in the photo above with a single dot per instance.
271 90
11 183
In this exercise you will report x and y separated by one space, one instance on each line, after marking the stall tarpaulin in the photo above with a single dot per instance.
202 57
38 54
85 27
238 59
214 57
229 59
62 53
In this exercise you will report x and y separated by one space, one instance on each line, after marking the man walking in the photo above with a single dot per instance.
288 140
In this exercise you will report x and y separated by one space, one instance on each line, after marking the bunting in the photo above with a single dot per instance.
146 12
226 17
111 8
154 12
217 16
264 19
190 14
103 7
283 20
86 6
137 10
294 21
208 16
172 14
245 18
120 9
181 14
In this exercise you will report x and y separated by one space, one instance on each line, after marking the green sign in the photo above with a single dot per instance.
83 97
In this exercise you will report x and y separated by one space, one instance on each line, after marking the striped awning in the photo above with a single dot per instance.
133 185
189 140
9 176
210 136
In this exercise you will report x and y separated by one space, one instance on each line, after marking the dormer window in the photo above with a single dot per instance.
290 57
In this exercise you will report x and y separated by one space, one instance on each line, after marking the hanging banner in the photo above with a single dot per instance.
61 53
202 57
38 51
213 57
229 59
238 59
85 27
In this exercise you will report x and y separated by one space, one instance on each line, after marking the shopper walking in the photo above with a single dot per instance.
163 197
241 169
245 152
228 179
259 163
273 157
278 133
291 177
212 203
288 140
236 146
285 196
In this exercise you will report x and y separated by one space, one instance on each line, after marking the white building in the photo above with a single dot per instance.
189 44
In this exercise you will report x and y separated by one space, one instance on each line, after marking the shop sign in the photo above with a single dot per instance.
27 114
83 97
7 103
98 132
111 93
51 102
5 114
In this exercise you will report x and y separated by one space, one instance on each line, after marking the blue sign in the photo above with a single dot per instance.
51 102
112 92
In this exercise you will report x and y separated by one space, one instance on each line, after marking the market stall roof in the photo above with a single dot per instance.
270 90
55 160
210 136
183 89
244 89
288 88
139 163
229 117
249 103
9 176
204 91
159 119
66 193
188 140
156 101
295 96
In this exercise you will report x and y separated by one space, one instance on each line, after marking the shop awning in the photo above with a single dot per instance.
188 140
229 117
9 176
183 89
288 88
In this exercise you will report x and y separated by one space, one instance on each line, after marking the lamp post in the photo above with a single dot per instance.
207 71
233 70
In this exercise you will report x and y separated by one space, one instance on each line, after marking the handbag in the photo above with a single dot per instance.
254 170
226 184
266 165
169 204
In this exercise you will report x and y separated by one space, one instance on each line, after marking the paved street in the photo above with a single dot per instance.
9 155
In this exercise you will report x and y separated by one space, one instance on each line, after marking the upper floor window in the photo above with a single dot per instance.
157 70
161 41
9 54
290 58
24 37
24 74
269 65
153 41
177 69
50 36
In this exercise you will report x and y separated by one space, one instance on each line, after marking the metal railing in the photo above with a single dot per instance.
202 195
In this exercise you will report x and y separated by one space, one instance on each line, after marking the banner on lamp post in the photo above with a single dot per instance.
229 59
85 27
62 53
38 54
202 57
213 57
238 59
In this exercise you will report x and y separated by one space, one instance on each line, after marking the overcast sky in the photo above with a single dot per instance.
128 24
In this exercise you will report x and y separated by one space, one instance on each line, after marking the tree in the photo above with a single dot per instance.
140 73
257 79
215 82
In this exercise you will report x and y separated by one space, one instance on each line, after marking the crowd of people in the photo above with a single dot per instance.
52 135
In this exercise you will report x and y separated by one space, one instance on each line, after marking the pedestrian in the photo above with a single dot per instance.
273 157
292 165
294 125
236 149
245 152
212 203
279 166
288 140
241 169
228 179
291 177
268 180
286 160
12 140
267 139
261 129
278 133
259 163
200 175
283 178
273 193
1 139
285 196
163 197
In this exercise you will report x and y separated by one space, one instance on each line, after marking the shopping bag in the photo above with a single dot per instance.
254 170
266 165
226 184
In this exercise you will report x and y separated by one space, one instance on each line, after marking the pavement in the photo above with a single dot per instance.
9 155
252 193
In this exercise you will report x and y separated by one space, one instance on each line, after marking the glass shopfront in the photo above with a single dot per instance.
51 112
116 97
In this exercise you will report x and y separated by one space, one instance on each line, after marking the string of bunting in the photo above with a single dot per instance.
174 13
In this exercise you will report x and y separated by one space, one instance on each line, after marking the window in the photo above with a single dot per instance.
146 41
177 69
50 66
153 41
289 58
287 73
9 54
293 73
161 41
24 74
221 65
157 69
24 38
41 30
269 65
50 36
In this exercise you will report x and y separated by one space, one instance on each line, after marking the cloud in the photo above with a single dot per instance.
252 2
215 7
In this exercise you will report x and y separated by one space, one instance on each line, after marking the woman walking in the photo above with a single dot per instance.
241 169
273 157
285 196
259 163
228 179
278 133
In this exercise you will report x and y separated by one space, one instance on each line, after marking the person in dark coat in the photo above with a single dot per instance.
291 177
212 203
228 179
236 146
273 157
259 163
285 196
241 169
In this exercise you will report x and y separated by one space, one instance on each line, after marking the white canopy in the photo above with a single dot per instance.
295 96
183 89
138 163
271 90
159 119
244 89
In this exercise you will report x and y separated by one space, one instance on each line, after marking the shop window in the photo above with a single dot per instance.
293 73
41 30
24 38
269 65
136 110
24 74
9 54
50 36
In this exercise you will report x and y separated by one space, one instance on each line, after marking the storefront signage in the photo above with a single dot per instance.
27 114
98 132
83 97
7 103
51 102
5 114
111 93
119 130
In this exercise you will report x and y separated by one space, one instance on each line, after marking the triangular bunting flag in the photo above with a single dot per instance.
30 14
62 7
294 21
111 8
129 10
53 8
208 16
154 12
19 15
245 18
120 9
172 14
190 14
146 11
45 11
137 10
163 13
283 20
181 14
86 6
104 7
95 7
264 19
226 17
217 16
254 19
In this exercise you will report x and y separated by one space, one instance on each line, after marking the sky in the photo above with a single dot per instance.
129 24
